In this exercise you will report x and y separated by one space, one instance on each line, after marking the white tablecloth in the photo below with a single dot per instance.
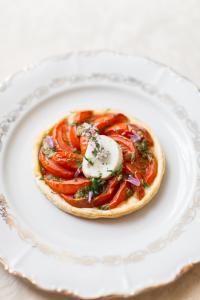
165 30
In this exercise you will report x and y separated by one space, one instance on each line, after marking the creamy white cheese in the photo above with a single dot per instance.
103 157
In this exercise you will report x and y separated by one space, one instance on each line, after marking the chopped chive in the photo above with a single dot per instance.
89 161
76 151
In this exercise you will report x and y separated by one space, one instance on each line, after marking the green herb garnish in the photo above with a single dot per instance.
97 146
132 156
73 123
82 193
115 172
104 207
129 193
47 150
97 186
76 151
95 152
79 130
143 146
120 177
79 163
89 161
144 183
52 177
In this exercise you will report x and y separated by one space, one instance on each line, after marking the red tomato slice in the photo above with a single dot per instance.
120 196
106 196
52 167
131 168
140 192
82 116
128 129
69 187
74 140
83 144
118 128
67 159
127 146
108 120
151 171
143 132
60 136
137 166
126 143
80 203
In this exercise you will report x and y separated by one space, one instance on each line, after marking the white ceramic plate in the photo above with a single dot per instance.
88 258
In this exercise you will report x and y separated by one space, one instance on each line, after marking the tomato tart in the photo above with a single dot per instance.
98 164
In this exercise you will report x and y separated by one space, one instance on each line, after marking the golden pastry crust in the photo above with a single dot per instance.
126 207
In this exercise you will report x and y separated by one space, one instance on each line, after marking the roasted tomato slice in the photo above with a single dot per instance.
121 195
128 148
83 116
74 140
131 168
117 128
151 171
104 197
140 192
80 203
69 187
53 168
142 132
128 129
83 144
140 165
108 120
67 159
60 136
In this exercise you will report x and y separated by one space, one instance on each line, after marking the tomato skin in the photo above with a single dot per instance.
82 116
80 203
151 171
108 120
120 196
129 129
135 169
104 197
69 187
67 159
74 140
53 168
143 132
60 136
123 141
83 144
117 128
140 192
127 146
131 168
147 137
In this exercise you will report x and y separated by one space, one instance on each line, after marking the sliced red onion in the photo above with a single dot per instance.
90 195
50 142
133 180
135 137
78 171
